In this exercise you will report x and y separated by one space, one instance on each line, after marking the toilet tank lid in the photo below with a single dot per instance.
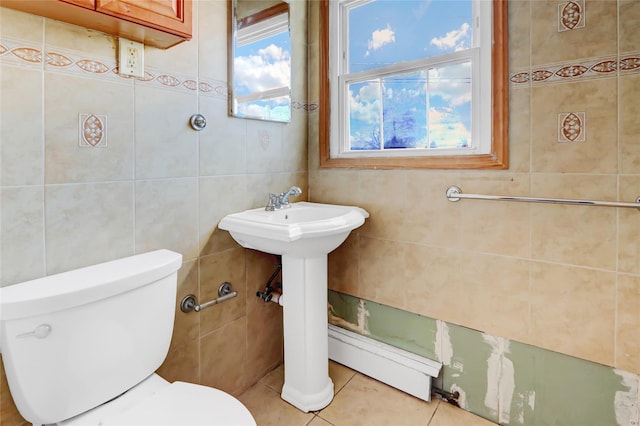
85 285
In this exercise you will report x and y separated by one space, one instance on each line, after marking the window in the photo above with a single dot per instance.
413 84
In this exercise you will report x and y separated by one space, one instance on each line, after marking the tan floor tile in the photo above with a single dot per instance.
319 421
268 408
449 415
340 375
364 401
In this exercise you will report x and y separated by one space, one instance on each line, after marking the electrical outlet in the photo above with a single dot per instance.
131 58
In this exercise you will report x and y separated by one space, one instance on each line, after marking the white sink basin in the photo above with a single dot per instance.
302 230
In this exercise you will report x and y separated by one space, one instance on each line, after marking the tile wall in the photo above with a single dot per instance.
135 177
559 278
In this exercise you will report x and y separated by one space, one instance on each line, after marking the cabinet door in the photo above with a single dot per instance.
173 16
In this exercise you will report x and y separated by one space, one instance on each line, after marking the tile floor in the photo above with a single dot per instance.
359 400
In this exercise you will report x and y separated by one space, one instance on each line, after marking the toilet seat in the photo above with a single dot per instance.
157 402
185 404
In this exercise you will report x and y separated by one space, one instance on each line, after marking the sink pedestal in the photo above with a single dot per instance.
307 385
303 234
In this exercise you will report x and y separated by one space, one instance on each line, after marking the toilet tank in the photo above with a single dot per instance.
75 340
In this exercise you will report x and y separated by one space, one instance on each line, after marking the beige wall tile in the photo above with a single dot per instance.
495 227
628 229
629 125
384 195
187 325
597 38
627 348
167 216
182 58
222 143
294 143
382 271
573 311
22 230
597 99
182 362
80 39
87 224
519 34
629 25
20 25
219 196
265 350
576 235
429 217
223 355
21 161
66 96
343 266
433 283
264 147
520 130
166 146
212 42
334 186
495 295
227 266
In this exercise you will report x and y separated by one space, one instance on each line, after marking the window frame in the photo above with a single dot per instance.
497 159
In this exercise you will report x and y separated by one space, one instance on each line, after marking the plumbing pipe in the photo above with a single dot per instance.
276 297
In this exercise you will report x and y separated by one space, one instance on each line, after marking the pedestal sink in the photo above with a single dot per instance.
303 234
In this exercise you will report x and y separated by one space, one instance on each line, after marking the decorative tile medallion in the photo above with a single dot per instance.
571 127
571 15
93 131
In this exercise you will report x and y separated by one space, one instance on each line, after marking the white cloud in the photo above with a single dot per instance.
379 38
452 83
446 129
270 68
364 105
454 39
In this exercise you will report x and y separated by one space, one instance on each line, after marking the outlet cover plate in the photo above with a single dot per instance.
131 55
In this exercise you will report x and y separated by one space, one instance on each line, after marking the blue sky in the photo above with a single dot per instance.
384 32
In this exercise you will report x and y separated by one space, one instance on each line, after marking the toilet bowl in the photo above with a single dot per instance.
155 402
82 348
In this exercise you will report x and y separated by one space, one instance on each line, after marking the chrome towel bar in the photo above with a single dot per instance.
454 193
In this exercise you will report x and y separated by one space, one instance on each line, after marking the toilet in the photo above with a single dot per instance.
82 348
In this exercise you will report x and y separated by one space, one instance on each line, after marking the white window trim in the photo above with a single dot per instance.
480 54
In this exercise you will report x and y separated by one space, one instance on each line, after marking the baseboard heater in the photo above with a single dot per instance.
398 368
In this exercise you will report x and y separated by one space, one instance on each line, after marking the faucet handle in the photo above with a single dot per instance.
272 204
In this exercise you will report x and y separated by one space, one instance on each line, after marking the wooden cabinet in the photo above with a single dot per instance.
159 23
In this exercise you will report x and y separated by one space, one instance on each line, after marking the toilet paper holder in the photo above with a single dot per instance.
189 303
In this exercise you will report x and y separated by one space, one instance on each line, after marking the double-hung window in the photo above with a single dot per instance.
411 79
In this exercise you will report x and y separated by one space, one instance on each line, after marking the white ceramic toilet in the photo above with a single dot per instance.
81 348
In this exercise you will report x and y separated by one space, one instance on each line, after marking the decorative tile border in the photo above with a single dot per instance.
572 127
61 60
26 54
611 66
571 15
307 106
92 130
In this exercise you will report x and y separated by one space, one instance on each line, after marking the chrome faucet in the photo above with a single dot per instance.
281 201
